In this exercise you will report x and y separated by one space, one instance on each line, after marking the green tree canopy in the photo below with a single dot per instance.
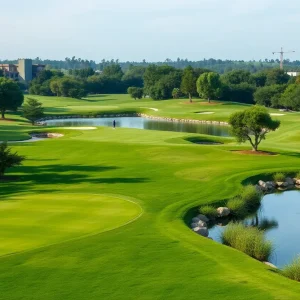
8 159
291 97
188 83
135 92
114 71
237 77
276 76
176 93
11 96
33 110
269 95
252 125
209 85
68 87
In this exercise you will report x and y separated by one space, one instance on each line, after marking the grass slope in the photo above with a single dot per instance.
156 256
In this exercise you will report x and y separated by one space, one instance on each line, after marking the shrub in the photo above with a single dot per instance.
237 207
292 270
279 177
251 196
249 240
298 175
209 211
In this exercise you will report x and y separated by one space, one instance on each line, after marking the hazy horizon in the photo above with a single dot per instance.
133 31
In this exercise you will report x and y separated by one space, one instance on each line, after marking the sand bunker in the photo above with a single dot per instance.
80 128
277 114
152 108
205 113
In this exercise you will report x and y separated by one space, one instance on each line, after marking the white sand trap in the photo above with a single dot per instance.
206 113
152 108
80 128
277 114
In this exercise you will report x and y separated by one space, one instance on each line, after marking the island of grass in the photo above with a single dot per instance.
156 256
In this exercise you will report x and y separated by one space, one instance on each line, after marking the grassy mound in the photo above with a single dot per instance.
32 221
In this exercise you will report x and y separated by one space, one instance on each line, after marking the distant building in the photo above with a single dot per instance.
24 71
293 74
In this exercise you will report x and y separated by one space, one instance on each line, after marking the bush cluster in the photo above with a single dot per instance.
247 200
249 240
279 177
292 270
209 211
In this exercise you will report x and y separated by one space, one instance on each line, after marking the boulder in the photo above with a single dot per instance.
262 184
270 265
202 218
194 225
289 181
202 224
281 184
297 181
201 231
270 185
195 220
223 211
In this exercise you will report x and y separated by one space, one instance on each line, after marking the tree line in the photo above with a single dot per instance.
217 65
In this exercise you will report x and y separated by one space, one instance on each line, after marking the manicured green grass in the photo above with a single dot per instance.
157 256
37 220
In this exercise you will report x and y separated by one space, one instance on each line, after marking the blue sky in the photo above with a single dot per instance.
152 30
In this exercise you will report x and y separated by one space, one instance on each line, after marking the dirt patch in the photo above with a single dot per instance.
250 152
44 135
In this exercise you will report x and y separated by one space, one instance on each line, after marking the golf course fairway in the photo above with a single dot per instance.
70 192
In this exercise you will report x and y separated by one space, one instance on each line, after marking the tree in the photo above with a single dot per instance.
237 77
209 85
11 96
176 93
291 97
242 92
135 92
33 110
113 70
8 159
188 83
277 76
68 87
252 125
269 95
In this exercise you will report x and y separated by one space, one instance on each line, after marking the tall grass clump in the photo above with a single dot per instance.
251 196
292 270
249 240
209 211
279 177
298 175
238 207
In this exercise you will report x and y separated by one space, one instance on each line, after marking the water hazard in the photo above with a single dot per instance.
144 123
279 216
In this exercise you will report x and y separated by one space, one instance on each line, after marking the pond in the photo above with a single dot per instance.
279 216
145 123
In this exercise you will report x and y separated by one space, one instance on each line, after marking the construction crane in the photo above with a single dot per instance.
281 56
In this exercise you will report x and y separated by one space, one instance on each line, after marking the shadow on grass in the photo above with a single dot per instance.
29 177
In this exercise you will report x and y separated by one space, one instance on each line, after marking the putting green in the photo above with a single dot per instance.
37 220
